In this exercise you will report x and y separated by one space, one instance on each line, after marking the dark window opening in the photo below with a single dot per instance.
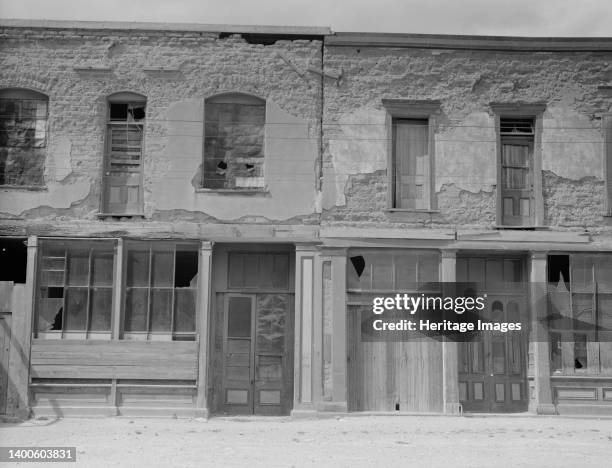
186 269
558 269
358 264
516 126
13 258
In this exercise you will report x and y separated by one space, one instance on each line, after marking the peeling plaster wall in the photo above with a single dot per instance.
357 131
176 71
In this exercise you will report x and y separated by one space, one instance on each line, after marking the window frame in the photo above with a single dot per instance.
607 162
24 94
69 245
128 98
234 98
520 110
410 109
149 334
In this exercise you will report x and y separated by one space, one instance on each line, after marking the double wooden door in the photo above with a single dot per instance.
492 366
257 354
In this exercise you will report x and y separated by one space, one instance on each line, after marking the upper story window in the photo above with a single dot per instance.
23 137
412 154
234 142
519 167
517 171
122 182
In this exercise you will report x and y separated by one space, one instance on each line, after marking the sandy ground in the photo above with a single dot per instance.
368 441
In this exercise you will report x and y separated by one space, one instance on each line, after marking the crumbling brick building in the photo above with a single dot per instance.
194 219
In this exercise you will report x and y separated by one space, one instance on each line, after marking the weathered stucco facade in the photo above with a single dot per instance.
219 204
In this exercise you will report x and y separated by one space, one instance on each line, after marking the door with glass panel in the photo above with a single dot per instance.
492 365
517 182
257 354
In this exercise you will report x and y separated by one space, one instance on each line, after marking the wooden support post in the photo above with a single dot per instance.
541 401
203 320
117 291
24 329
307 296
450 349
334 333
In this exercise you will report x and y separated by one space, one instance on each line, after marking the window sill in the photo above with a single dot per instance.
525 228
410 210
29 188
120 215
259 192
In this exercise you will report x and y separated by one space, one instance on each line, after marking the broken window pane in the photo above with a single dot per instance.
234 140
23 121
186 269
70 296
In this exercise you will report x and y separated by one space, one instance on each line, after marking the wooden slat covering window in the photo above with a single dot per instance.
580 314
411 164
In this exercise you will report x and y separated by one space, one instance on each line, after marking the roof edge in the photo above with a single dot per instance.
443 41
171 27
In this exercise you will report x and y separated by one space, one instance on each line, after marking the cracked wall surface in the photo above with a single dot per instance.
176 71
357 132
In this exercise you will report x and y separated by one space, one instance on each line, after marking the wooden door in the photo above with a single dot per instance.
390 374
258 354
123 169
518 208
5 342
492 367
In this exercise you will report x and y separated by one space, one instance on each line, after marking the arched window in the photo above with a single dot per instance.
23 137
234 142
123 194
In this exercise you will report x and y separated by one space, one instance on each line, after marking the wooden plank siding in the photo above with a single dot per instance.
114 360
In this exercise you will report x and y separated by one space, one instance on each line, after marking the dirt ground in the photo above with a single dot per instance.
356 441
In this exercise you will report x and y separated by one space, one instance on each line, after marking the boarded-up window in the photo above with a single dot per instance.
75 285
411 180
161 290
234 143
123 193
580 313
23 137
